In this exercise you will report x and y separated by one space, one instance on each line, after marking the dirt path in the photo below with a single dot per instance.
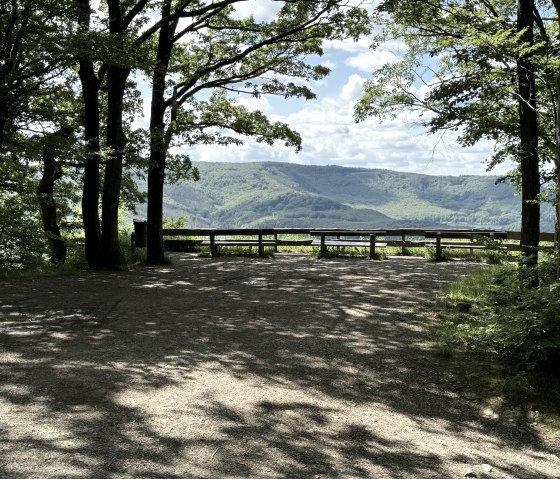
288 367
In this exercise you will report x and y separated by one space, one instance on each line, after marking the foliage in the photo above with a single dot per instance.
471 88
174 223
22 243
487 71
520 325
526 326
32 53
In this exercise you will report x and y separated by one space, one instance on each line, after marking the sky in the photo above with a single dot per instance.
330 136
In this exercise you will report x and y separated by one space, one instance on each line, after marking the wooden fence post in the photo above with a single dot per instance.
323 246
439 253
213 249
372 246
261 245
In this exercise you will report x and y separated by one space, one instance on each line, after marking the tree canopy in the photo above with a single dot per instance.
198 56
486 70
69 96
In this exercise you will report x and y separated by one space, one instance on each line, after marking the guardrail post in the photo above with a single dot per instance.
276 242
323 246
261 245
403 248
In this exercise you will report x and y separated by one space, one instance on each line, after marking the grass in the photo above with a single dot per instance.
74 264
464 317
478 255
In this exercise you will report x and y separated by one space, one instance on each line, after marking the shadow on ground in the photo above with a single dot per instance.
240 367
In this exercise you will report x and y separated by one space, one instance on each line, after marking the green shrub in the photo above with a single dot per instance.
525 323
519 324
22 243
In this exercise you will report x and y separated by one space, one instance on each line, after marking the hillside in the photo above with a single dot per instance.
282 194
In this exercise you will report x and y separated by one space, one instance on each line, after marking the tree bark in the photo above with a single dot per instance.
116 83
45 198
158 146
91 186
111 249
556 4
528 145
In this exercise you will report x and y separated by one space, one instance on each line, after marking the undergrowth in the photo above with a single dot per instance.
492 313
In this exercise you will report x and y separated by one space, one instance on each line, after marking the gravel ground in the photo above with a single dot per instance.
289 367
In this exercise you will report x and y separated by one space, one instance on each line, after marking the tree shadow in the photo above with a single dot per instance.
238 367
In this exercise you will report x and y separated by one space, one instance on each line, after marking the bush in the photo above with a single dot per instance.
524 325
22 242
519 324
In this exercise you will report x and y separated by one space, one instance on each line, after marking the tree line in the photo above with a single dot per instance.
68 98
69 73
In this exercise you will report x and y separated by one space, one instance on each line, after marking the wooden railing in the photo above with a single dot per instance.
216 238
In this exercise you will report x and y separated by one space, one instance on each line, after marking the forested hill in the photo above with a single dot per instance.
283 194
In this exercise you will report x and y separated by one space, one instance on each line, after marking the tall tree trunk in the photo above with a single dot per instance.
116 83
557 216
3 119
45 198
158 144
112 253
556 4
91 186
528 135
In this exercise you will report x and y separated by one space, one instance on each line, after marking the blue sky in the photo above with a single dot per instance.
330 135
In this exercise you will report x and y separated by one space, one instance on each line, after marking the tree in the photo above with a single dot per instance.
239 56
90 81
31 55
482 85
34 69
51 172
106 59
556 141
528 135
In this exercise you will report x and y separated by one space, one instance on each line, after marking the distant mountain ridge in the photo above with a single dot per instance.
267 194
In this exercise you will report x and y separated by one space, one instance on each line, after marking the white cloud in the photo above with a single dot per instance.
371 60
353 88
347 46
255 103
330 136
262 10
